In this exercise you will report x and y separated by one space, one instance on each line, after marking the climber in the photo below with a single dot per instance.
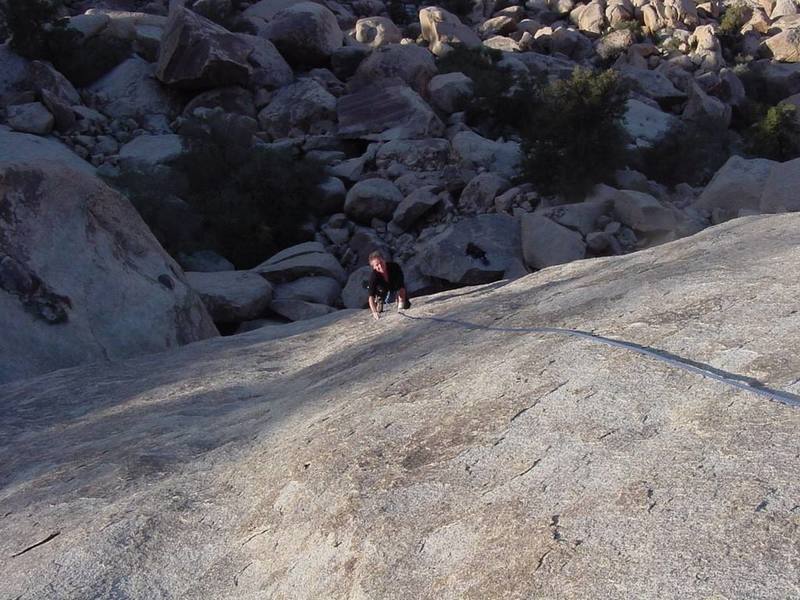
385 280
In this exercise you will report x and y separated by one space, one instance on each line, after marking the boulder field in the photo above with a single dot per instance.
440 454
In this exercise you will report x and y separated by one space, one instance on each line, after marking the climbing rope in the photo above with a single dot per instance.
741 382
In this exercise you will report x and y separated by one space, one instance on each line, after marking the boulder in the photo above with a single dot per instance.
43 77
409 63
614 43
331 196
131 90
417 155
306 34
784 46
472 251
354 294
479 194
377 32
546 243
31 117
319 290
234 99
451 92
299 310
205 261
363 242
81 276
652 84
270 69
783 8
232 296
704 108
372 199
146 162
414 206
198 54
707 52
298 261
777 80
590 18
737 186
645 124
476 152
502 44
13 70
386 112
299 108
267 9
780 190
643 213
442 29
581 216
24 147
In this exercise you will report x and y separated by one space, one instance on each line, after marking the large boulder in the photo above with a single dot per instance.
270 69
372 199
476 152
24 147
232 296
480 192
198 54
442 30
299 310
451 92
411 64
652 84
31 117
781 188
354 294
306 34
416 155
784 46
581 216
302 260
414 206
737 186
146 162
646 124
377 31
471 251
546 243
654 222
132 90
319 290
386 112
299 108
81 276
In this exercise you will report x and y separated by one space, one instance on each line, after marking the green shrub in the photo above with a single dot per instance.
777 135
730 38
501 100
254 206
28 22
690 154
573 138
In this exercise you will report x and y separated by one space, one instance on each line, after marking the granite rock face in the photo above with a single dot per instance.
426 459
82 279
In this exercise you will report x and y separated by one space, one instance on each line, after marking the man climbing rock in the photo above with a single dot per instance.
385 281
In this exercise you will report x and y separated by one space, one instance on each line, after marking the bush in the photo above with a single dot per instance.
729 34
28 22
573 138
687 154
777 135
501 100
252 207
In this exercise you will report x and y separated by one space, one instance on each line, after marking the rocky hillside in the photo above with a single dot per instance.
440 454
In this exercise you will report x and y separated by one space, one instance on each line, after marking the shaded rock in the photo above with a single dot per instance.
197 54
372 199
82 278
331 197
354 294
345 60
451 92
703 108
417 155
270 69
377 32
299 310
232 296
24 147
363 242
205 261
13 70
614 43
581 217
780 190
131 90
475 152
643 213
546 243
32 117
299 261
652 84
414 206
411 64
442 29
319 290
480 192
233 99
146 163
737 186
302 107
306 34
43 77
471 251
391 112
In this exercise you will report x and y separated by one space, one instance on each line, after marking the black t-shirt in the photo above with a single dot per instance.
378 286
